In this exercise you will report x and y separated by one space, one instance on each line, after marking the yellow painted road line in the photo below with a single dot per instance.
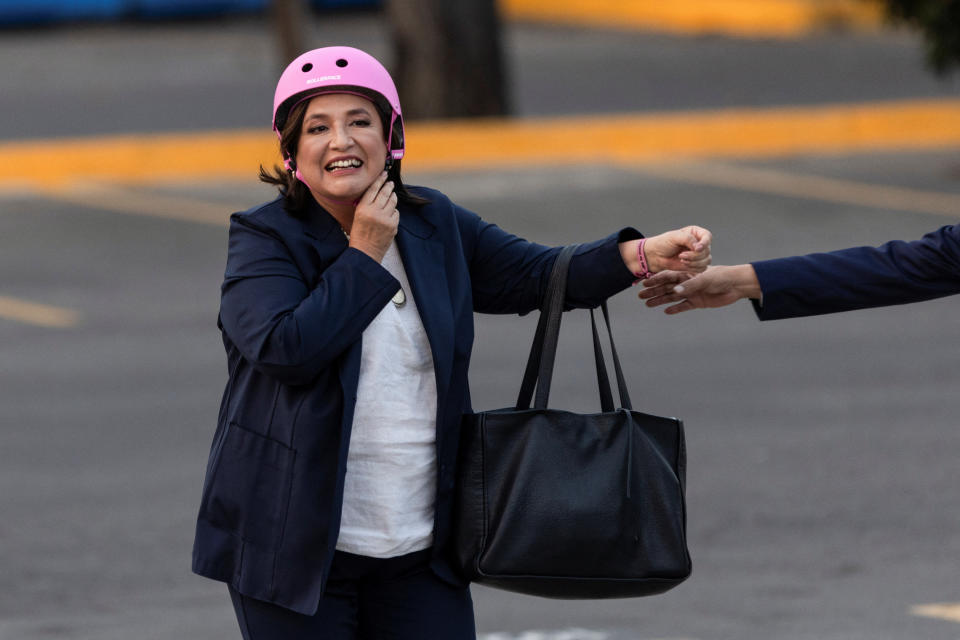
920 124
746 18
154 158
126 200
499 143
784 183
42 315
943 611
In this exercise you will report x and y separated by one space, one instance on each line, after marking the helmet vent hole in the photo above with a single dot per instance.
307 67
341 63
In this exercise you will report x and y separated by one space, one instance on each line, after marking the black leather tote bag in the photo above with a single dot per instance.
565 505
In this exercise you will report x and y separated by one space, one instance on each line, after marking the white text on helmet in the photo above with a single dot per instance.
321 79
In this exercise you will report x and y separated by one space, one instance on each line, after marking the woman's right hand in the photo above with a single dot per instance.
686 249
375 219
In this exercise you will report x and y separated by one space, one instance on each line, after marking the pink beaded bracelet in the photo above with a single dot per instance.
644 271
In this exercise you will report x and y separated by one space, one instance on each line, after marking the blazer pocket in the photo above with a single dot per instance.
250 486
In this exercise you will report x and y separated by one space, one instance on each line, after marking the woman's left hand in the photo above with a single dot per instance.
686 249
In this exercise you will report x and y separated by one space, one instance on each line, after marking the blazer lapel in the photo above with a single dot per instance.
320 226
422 253
328 241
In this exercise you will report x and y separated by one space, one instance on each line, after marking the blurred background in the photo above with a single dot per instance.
823 452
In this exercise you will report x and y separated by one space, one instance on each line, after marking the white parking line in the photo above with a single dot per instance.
785 183
944 611
565 634
141 202
42 315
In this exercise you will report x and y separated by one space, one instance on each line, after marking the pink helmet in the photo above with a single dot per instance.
340 70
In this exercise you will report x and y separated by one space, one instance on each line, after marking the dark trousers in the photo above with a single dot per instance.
368 599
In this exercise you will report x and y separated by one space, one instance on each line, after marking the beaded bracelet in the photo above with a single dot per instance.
644 271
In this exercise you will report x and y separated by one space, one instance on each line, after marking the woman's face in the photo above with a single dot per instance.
342 147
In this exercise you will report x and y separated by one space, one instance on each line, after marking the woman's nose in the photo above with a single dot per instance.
341 138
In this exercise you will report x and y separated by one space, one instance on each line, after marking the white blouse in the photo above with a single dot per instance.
390 489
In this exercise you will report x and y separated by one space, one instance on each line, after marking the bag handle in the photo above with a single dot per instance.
543 351
539 371
606 399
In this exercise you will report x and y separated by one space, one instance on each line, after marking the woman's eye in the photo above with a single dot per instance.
361 123
317 129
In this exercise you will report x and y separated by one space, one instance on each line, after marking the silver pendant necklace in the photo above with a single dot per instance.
399 298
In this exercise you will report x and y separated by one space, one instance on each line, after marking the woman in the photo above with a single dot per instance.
347 317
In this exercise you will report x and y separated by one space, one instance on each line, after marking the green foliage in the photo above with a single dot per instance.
939 21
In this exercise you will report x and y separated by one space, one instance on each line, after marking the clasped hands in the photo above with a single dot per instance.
683 279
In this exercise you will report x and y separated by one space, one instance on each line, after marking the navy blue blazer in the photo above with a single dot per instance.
295 301
861 277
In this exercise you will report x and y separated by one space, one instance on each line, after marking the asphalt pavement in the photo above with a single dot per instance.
152 77
822 483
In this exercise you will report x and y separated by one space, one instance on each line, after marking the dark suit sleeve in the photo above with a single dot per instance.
510 274
280 325
898 272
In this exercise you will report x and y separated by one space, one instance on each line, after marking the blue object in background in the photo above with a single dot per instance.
34 11
192 8
25 12
337 4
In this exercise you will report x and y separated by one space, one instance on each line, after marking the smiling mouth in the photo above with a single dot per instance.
352 163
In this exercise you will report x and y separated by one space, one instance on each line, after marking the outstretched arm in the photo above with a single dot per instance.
897 272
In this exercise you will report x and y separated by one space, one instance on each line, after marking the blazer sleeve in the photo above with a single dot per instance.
281 326
510 274
897 272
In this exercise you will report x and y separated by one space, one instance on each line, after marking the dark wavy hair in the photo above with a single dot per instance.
295 194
